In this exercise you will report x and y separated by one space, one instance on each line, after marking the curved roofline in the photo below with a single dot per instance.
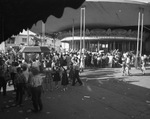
77 38
142 2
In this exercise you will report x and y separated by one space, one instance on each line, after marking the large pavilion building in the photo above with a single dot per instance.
107 40
103 25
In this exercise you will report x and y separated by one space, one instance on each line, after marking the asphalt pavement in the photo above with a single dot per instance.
105 94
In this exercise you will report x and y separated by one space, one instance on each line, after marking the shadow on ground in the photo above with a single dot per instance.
103 96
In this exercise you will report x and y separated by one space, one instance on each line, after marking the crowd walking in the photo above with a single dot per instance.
30 78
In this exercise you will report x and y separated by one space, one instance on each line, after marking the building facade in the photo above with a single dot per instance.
31 39
107 40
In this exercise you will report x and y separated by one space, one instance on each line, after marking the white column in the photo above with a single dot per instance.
73 35
98 45
141 33
138 34
81 30
43 32
28 37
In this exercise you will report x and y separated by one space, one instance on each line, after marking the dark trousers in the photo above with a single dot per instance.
19 93
36 98
76 77
3 84
13 78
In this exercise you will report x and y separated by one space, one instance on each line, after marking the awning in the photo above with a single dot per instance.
35 49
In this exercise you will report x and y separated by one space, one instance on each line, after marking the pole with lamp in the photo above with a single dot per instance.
82 37
141 32
138 36
43 33
83 28
81 21
73 35
28 37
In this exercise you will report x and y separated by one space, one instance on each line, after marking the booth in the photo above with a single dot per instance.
33 52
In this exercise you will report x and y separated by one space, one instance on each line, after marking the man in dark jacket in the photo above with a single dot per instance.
2 78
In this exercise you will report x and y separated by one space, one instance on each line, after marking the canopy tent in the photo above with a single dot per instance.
35 49
100 14
16 15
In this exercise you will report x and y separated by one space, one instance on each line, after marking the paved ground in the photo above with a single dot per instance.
106 94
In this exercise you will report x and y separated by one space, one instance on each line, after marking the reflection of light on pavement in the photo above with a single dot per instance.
89 88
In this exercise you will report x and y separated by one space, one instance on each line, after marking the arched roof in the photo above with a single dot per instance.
124 1
16 15
101 38
99 14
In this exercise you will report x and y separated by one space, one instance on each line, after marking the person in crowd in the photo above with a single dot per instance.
104 60
36 81
53 65
20 86
26 73
47 82
2 77
143 63
36 63
55 58
56 76
64 78
68 59
76 72
82 62
95 60
71 72
13 73
110 61
123 65
61 60
128 67
99 60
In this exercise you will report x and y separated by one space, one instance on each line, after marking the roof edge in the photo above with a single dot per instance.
142 2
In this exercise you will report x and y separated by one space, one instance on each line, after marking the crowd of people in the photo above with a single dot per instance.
35 75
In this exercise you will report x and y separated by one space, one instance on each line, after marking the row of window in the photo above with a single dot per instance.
24 40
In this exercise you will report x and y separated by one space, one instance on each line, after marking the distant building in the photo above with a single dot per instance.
29 38
21 39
